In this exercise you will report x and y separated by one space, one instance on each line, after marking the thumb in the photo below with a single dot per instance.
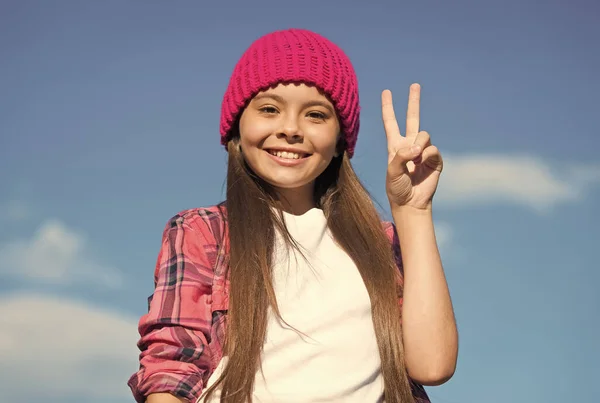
397 166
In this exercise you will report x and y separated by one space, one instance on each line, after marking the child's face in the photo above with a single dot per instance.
289 135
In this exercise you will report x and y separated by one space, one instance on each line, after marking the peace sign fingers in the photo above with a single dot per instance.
413 112
414 164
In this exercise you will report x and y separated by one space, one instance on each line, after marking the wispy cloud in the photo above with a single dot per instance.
522 180
55 254
55 349
15 210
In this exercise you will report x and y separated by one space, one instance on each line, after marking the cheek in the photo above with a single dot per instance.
253 135
326 144
325 139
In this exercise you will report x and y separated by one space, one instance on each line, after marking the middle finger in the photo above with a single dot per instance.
413 111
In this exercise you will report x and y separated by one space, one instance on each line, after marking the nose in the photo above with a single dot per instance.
290 130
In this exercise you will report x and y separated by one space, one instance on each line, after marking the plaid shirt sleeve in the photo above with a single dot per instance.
418 390
175 333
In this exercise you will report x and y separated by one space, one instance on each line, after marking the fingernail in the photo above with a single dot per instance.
415 149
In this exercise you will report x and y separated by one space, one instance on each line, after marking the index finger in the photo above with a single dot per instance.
413 111
390 124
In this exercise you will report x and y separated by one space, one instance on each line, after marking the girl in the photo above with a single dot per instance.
293 289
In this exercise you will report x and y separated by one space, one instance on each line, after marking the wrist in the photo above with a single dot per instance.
412 220
414 226
411 211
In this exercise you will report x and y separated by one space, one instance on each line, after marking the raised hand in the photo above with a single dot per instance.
414 165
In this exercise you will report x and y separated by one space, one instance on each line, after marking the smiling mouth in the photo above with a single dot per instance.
287 154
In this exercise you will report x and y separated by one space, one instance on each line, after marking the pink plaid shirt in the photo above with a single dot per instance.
183 332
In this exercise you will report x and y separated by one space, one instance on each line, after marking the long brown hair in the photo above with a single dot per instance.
356 226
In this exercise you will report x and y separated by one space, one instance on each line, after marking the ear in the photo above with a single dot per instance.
235 137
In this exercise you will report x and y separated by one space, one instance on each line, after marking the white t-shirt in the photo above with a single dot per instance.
334 357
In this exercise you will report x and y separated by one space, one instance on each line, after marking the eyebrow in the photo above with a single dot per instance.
275 97
280 99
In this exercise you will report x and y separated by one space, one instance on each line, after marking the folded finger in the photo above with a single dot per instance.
432 157
423 139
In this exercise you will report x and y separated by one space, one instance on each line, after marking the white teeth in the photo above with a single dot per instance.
286 154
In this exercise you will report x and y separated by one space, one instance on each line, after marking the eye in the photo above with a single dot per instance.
317 115
267 109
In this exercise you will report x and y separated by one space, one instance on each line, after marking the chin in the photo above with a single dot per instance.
288 184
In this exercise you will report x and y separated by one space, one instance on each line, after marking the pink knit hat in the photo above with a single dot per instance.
294 56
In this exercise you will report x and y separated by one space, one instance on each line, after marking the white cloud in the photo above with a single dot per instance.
449 244
518 179
443 234
54 349
55 254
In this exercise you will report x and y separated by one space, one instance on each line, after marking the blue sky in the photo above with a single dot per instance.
109 116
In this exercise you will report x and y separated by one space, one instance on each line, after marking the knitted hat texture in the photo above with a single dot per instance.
294 56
